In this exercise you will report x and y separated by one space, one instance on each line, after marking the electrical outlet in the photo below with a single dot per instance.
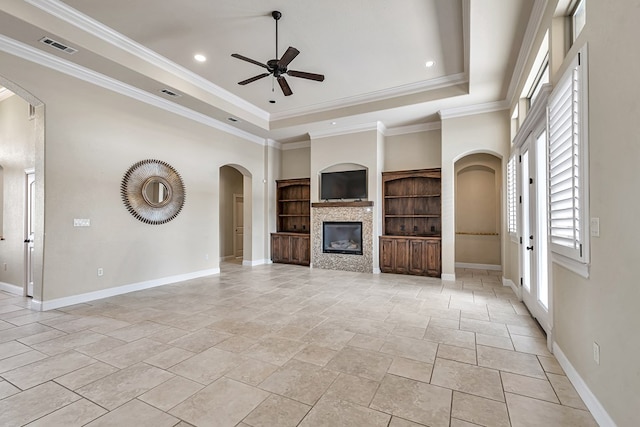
100 271
206 257
596 353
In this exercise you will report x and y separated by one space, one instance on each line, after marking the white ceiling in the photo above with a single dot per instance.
372 53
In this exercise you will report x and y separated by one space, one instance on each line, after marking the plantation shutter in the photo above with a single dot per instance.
511 196
565 197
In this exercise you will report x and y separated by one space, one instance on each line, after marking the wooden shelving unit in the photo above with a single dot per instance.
291 244
412 226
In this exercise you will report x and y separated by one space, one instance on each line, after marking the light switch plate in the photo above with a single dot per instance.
595 227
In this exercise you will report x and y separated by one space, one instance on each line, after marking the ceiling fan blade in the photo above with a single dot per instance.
288 56
284 86
244 58
303 75
253 79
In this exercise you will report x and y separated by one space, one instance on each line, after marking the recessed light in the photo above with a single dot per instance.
199 57
430 63
334 123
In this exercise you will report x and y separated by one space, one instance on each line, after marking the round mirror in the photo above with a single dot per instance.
156 191
153 191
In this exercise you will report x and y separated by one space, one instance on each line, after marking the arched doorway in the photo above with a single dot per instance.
478 194
235 213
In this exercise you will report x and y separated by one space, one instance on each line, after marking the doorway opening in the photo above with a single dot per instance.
21 194
235 214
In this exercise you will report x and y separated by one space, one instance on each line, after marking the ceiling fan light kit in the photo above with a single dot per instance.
278 67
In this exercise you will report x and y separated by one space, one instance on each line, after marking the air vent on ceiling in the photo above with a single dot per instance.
170 93
60 46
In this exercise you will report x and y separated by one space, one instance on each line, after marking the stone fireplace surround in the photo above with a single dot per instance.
342 211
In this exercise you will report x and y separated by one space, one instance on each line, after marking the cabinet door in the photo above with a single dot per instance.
280 248
433 258
387 256
300 250
417 257
402 256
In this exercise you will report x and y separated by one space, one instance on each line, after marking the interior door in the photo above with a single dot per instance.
534 244
238 225
29 235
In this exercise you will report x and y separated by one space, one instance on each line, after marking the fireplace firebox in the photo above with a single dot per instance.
342 237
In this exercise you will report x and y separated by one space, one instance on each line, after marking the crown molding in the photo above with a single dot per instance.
5 93
404 130
379 95
470 110
274 144
21 50
91 26
535 19
296 145
346 130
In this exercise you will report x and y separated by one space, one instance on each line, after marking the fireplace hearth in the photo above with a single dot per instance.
342 237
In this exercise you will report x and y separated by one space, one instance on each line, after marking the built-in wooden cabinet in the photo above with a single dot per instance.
291 248
291 243
412 226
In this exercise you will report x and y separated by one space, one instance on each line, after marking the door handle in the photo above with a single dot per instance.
530 248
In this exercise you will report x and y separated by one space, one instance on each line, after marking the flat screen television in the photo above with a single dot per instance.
343 185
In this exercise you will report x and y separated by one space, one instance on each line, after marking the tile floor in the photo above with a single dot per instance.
280 345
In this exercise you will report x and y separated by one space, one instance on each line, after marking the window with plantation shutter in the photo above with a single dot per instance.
567 164
511 197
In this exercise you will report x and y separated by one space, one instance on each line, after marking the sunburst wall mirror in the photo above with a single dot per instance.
153 191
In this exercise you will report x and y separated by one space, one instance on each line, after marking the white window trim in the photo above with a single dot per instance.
571 259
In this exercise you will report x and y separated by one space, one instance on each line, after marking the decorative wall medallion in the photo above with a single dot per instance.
153 191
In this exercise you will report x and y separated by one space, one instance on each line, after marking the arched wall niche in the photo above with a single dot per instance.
478 199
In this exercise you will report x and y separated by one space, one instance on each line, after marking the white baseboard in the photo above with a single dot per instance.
226 258
515 288
119 290
248 263
377 271
448 277
479 266
597 410
12 289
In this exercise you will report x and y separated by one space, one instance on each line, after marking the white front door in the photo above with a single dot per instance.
238 225
534 244
28 227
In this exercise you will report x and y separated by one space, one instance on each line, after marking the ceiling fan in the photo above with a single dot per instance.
278 67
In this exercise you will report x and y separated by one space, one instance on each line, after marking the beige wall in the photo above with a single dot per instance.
17 153
92 137
478 209
479 133
418 150
230 184
604 307
296 163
